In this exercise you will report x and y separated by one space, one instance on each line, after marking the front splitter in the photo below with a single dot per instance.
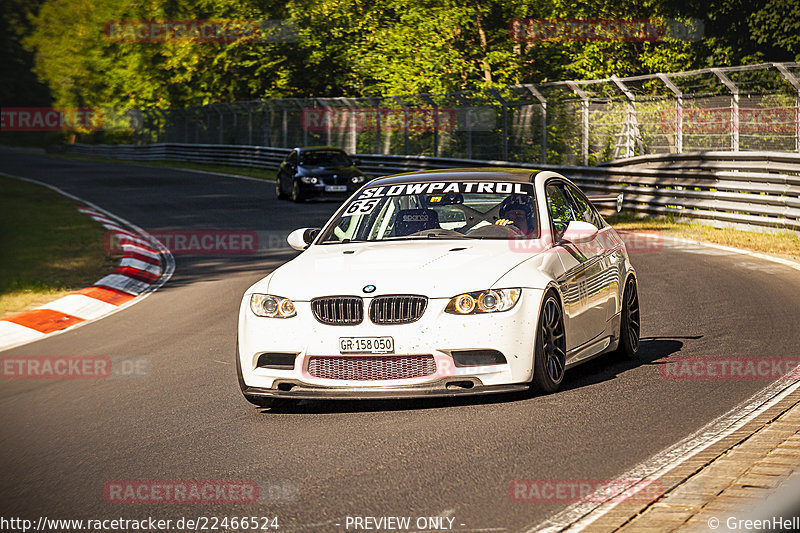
304 391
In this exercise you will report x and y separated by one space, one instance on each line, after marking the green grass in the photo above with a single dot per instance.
260 173
780 244
48 247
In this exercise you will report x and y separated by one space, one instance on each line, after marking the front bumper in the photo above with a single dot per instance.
317 190
437 334
440 388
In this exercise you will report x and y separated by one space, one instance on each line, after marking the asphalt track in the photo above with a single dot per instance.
61 441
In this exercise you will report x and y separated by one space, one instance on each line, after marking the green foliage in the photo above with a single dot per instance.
362 48
48 244
751 31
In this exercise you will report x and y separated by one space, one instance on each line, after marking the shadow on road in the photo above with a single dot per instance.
196 269
608 366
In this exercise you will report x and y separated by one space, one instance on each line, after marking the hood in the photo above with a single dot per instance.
328 171
436 269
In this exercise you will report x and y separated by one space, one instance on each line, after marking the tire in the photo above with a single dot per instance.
629 326
297 195
278 191
260 401
551 346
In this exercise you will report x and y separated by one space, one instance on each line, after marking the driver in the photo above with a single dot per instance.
517 210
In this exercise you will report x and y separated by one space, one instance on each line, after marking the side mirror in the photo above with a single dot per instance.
299 239
608 199
356 161
579 231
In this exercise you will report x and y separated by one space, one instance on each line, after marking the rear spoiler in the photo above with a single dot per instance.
608 199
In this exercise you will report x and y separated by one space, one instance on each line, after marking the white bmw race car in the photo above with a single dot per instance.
441 283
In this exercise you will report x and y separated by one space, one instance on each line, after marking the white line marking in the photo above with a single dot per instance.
97 216
237 176
134 162
118 229
783 261
580 515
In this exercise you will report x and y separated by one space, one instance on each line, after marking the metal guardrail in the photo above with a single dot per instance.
752 190
575 122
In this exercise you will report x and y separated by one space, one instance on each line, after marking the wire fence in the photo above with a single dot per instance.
747 108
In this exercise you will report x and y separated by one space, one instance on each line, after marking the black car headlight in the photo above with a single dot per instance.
270 306
309 179
488 301
358 179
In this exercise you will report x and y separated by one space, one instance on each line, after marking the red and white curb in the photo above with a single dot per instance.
145 266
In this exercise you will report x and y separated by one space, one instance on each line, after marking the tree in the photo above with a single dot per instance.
361 48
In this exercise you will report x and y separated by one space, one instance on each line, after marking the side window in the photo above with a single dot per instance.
558 203
292 159
583 210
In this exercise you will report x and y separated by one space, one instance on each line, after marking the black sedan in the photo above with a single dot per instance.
317 172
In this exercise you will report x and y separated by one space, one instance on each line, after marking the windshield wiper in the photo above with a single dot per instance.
343 241
432 235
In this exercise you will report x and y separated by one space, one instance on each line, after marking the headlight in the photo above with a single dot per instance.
271 306
309 179
358 179
489 301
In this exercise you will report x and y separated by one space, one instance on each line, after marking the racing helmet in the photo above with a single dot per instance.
519 202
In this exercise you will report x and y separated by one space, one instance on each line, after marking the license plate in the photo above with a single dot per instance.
335 188
366 345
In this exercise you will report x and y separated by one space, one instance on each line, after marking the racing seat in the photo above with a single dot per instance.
411 221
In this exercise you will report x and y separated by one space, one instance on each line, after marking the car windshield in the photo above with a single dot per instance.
447 210
324 158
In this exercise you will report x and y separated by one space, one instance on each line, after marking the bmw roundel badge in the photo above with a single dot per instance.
369 288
